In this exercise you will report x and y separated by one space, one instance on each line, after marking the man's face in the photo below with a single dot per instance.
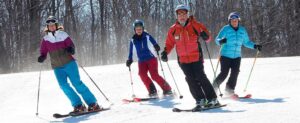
234 22
182 16
139 30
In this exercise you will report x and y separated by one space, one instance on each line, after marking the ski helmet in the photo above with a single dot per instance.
234 15
51 20
182 7
137 23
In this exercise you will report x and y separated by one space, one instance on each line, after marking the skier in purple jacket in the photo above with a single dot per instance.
61 48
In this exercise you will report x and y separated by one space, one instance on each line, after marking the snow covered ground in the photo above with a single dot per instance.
274 85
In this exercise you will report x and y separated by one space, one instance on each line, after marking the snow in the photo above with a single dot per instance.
274 85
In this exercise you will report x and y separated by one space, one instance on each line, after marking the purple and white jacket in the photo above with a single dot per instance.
55 44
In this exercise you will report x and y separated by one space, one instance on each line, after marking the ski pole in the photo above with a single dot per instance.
133 95
94 83
38 95
215 71
219 59
210 59
251 71
174 81
161 65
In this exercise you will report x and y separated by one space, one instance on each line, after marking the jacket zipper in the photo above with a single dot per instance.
234 54
186 46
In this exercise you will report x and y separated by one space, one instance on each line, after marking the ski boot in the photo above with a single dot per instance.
202 103
230 94
168 93
94 107
213 102
78 109
153 95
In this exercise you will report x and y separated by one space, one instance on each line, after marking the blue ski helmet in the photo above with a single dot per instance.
234 15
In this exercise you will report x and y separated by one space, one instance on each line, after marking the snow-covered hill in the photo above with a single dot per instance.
274 85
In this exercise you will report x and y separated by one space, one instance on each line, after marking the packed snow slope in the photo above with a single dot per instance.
274 85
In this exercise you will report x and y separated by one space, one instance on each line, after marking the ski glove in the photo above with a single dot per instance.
128 62
258 47
41 59
70 50
157 48
164 56
223 41
204 36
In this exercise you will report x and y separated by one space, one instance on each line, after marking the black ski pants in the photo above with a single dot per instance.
198 83
226 65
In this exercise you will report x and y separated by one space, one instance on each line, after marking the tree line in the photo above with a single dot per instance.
101 29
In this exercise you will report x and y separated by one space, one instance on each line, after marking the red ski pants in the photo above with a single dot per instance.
152 66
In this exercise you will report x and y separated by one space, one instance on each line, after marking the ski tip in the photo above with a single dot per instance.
137 99
248 96
176 110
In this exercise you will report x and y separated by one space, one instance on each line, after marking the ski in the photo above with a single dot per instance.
237 97
246 96
136 99
198 110
57 115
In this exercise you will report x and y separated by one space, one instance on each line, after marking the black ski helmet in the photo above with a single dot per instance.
137 23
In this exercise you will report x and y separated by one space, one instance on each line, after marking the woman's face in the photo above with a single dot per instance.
52 27
139 30
234 22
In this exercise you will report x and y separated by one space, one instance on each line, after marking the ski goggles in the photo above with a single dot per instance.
50 22
234 17
138 25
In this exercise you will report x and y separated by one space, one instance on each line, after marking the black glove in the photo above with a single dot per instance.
164 56
157 48
70 50
258 47
204 35
41 59
128 62
223 41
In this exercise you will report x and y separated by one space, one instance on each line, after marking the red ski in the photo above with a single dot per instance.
136 99
237 97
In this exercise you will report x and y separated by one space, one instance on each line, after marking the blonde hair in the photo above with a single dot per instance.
46 29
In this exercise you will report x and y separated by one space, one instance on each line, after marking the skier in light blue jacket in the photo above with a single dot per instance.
232 37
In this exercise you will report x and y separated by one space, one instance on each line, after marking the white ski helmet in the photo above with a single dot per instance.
182 7
51 20
234 15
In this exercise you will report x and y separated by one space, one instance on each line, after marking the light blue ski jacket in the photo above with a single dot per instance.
235 40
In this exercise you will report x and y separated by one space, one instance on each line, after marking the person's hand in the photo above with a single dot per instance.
223 41
70 50
164 56
157 48
41 59
204 35
258 47
128 62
